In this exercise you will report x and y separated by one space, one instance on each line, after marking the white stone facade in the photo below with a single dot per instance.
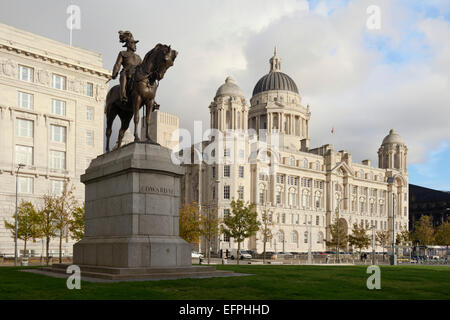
309 185
51 119
162 126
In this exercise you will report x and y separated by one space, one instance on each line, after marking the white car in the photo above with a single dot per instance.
195 254
244 254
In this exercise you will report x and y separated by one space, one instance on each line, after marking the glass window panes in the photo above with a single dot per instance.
226 192
57 187
24 128
25 73
58 133
24 155
90 138
241 193
57 160
25 100
89 113
59 82
226 171
58 107
25 185
241 171
90 89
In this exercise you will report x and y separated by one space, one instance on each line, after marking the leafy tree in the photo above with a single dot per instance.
338 236
27 227
423 231
76 225
403 237
359 238
442 235
64 206
383 239
241 223
266 232
189 223
209 227
46 221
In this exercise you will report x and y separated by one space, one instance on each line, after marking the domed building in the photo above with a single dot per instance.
259 152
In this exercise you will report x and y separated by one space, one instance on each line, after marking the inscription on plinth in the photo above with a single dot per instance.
157 190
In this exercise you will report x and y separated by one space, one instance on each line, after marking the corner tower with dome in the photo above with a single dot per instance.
307 189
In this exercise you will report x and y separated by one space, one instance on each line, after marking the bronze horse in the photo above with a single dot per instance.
141 91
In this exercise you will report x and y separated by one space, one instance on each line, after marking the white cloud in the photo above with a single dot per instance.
329 52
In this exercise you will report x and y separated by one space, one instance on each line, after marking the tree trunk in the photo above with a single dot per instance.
209 249
25 246
60 246
47 244
238 252
264 251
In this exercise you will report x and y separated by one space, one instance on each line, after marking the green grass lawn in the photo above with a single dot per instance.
267 282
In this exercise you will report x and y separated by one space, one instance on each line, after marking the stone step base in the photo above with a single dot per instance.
108 273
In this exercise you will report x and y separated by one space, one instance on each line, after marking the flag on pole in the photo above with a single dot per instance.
332 130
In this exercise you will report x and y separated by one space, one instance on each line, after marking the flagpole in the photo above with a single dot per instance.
71 28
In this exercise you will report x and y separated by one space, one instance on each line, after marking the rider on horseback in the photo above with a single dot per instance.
129 60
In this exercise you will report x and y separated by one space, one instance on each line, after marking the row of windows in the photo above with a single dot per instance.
25 128
305 163
24 155
58 107
365 191
227 171
58 81
227 194
25 185
295 219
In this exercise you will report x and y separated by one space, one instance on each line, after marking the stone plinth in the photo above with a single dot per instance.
131 214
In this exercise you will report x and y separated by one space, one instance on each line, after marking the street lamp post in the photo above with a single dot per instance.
394 256
373 244
19 166
309 243
338 230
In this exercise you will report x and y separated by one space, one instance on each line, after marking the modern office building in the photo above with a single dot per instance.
426 201
51 119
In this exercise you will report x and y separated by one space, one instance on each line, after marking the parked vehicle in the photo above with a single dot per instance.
244 254
195 254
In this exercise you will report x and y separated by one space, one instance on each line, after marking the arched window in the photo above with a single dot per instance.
280 237
362 205
317 200
305 163
320 237
305 199
294 237
317 165
306 237
292 161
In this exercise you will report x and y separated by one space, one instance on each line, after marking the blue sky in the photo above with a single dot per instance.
434 173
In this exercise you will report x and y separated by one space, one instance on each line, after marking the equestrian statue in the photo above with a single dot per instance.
139 80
